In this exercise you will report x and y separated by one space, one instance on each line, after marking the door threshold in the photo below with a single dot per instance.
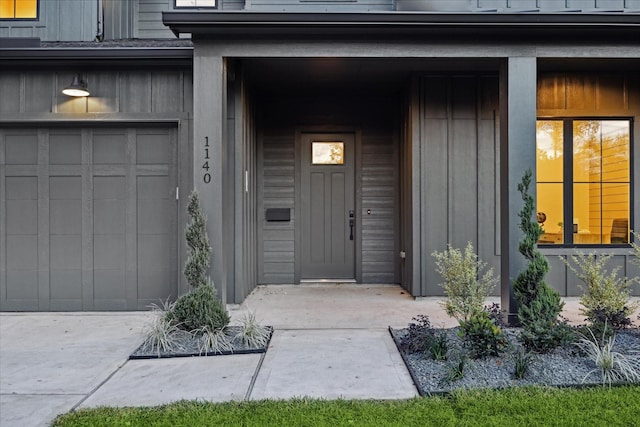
325 281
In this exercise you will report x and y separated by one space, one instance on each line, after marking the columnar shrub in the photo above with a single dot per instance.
199 309
539 306
467 281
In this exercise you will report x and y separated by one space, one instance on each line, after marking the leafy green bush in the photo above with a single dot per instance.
200 308
539 306
604 292
465 284
481 336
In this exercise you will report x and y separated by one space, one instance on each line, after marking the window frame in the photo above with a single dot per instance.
36 18
175 6
568 180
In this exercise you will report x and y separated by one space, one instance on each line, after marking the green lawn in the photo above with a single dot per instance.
617 406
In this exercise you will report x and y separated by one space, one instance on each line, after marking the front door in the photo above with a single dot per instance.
328 206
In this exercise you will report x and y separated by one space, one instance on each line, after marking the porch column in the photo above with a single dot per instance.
517 153
209 120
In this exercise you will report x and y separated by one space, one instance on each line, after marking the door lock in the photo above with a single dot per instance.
352 215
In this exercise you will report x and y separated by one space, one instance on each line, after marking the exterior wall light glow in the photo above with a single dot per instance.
78 87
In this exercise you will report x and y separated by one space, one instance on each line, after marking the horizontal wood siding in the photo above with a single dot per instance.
582 94
459 170
377 179
111 92
379 189
149 19
277 190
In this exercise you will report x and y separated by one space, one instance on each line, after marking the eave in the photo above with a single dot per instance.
376 25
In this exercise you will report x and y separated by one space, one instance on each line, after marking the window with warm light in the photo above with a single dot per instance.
195 3
583 174
18 9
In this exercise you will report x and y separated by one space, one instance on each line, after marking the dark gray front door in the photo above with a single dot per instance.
328 207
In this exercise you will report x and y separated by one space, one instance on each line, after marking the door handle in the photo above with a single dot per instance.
351 223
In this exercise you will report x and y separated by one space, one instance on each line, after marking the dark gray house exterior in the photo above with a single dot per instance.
329 140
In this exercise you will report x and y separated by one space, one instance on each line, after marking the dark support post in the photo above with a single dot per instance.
209 105
518 80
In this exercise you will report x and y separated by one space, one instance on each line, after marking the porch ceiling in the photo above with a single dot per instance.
348 75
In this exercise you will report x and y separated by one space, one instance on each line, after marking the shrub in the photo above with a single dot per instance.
419 335
200 308
481 336
199 258
495 314
542 331
614 367
162 334
213 341
606 296
251 333
465 284
539 306
455 370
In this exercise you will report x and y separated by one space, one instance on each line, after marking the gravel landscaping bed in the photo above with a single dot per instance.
562 367
188 347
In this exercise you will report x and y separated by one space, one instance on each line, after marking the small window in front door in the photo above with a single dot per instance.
327 153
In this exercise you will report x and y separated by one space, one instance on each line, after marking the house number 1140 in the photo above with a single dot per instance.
206 177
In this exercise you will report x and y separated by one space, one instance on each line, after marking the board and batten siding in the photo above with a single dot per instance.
589 94
58 20
458 171
111 92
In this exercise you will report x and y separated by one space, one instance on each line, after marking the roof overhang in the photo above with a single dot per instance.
377 25
90 57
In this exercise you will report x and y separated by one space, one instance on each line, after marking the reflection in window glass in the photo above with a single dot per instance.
549 177
327 153
601 185
597 155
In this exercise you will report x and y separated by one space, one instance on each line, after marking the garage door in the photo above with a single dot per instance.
88 218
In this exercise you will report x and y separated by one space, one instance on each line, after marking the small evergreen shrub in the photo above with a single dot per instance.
539 306
606 296
419 335
467 281
542 329
251 333
481 336
200 308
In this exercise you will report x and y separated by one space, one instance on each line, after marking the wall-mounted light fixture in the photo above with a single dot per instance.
78 87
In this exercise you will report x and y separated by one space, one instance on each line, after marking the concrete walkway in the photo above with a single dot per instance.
330 341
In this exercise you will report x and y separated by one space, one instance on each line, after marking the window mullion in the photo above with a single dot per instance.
568 182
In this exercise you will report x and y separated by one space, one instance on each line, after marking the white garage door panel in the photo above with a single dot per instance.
88 218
